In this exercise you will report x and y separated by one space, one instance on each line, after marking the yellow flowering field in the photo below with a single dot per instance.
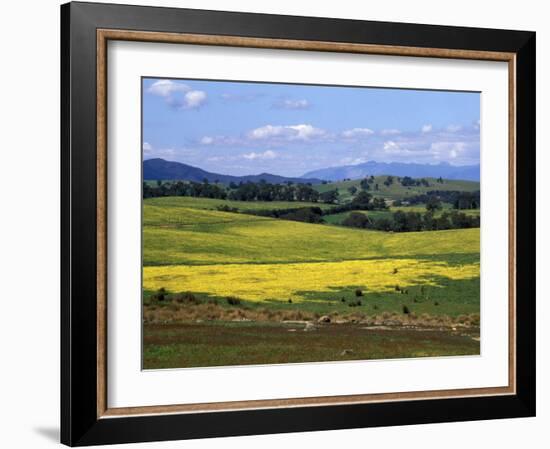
257 282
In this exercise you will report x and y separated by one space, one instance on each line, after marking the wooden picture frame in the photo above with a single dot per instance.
86 29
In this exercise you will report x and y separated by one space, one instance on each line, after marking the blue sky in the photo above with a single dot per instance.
243 128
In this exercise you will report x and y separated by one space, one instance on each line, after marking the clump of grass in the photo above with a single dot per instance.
358 292
355 303
397 288
436 303
395 271
406 310
233 301
343 299
290 300
187 298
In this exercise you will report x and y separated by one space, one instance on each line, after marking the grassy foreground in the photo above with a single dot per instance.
220 344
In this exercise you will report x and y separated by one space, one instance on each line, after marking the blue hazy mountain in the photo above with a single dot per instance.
445 170
160 169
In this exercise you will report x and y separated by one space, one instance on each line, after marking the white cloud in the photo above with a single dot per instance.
289 132
415 153
453 128
306 132
194 99
427 128
266 131
178 95
390 146
292 104
390 132
453 150
163 153
165 88
207 140
147 147
265 155
357 132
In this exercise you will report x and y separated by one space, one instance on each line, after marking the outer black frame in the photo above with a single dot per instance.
79 422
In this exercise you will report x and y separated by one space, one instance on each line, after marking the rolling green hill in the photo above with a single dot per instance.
396 190
183 235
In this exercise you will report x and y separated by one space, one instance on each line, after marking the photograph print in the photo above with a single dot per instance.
293 223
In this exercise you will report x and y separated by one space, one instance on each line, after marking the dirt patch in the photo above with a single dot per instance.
174 312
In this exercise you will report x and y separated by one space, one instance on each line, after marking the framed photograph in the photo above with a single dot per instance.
280 224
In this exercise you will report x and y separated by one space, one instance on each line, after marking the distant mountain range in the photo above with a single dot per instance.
446 171
161 169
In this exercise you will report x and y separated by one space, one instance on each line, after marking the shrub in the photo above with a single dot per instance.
305 214
436 303
406 310
233 301
356 220
358 292
160 295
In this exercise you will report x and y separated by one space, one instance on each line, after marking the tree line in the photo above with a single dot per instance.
412 221
459 200
203 189
244 191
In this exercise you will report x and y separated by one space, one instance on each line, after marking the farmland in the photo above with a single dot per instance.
231 282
